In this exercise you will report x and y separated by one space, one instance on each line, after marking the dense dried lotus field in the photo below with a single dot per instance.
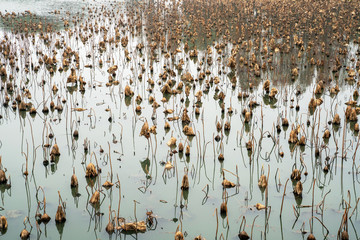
179 119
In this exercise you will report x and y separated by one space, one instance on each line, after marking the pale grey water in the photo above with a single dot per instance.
198 214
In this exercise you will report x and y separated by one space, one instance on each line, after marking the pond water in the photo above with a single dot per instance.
109 126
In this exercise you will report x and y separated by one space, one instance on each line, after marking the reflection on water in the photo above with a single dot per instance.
41 7
95 85
37 16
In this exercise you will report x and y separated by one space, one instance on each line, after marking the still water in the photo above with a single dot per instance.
109 126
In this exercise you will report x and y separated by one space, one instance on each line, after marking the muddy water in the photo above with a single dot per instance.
139 163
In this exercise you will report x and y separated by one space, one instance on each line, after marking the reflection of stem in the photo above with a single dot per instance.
357 146
110 162
241 224
27 220
322 203
267 218
44 198
28 195
312 204
311 227
217 223
343 142
354 207
118 212
281 229
32 137
135 216
282 201
252 227
121 131
352 224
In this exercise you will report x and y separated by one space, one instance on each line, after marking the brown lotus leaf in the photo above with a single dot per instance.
166 89
24 234
3 71
353 115
223 208
259 206
295 175
227 184
45 218
3 178
187 90
344 235
312 104
76 133
110 228
170 119
95 198
3 223
108 184
55 150
188 131
348 112
74 181
293 136
311 237
302 141
181 147
198 96
285 122
180 85
153 129
199 238
243 235
351 73
168 111
231 62
273 92
247 116
138 109
262 181
294 72
91 170
298 189
187 150
249 145
266 85
168 165
227 126
60 215
327 134
218 126
171 142
333 90
351 103
145 130
128 92
185 183
185 117
179 236
133 226
221 96
318 89
355 94
187 77
336 119
319 101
